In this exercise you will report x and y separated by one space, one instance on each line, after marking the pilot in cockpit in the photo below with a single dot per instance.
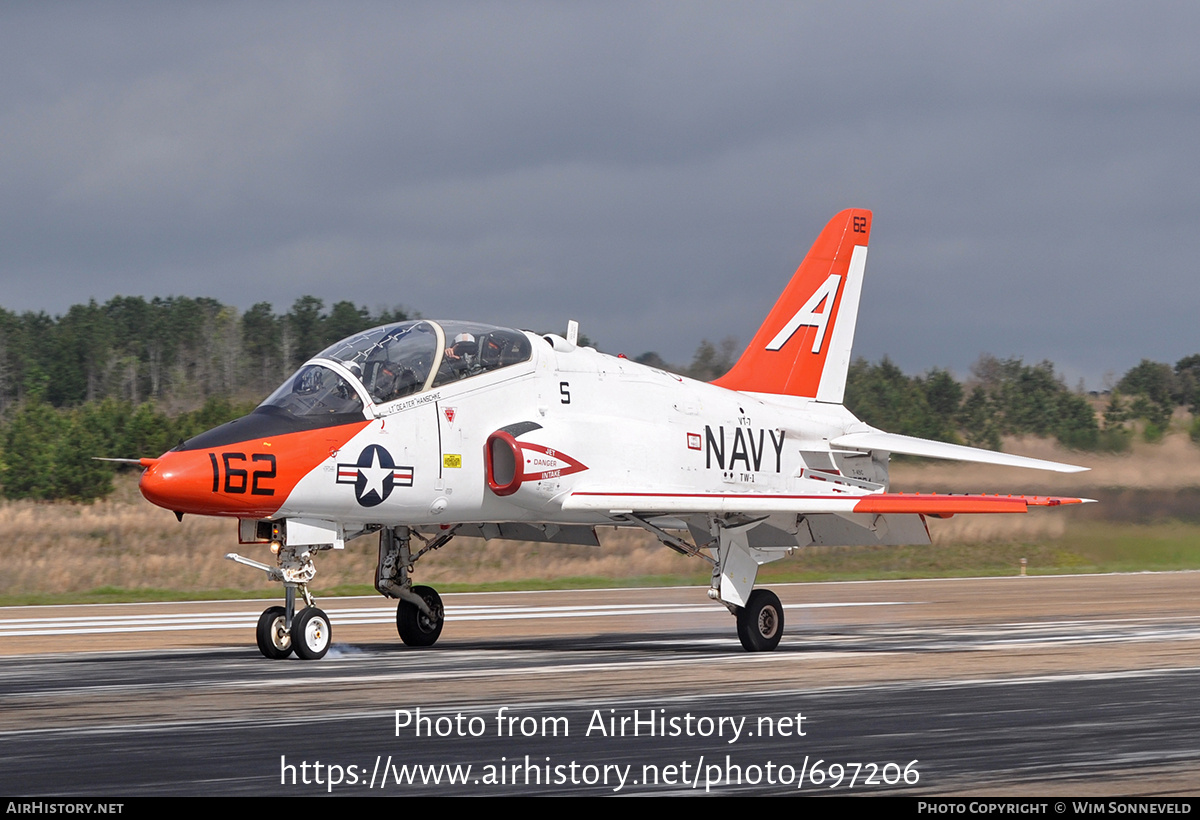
463 355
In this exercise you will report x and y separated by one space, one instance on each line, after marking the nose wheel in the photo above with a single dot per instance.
311 634
309 637
274 639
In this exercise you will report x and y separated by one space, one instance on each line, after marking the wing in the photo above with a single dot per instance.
941 505
910 446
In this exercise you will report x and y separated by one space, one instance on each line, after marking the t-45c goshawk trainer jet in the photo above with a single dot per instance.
423 430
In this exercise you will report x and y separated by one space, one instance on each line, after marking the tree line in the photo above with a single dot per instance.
177 351
134 377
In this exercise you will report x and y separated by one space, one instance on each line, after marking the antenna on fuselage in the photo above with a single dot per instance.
573 332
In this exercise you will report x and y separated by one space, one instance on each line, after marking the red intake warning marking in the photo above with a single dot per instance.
542 463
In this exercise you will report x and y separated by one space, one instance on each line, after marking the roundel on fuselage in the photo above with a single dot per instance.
374 475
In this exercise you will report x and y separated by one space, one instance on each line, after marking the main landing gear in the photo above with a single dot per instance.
281 630
734 567
419 612
758 611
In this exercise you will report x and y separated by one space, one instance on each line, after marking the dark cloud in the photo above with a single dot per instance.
654 170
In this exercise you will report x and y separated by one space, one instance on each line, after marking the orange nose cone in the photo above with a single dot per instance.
201 483
163 484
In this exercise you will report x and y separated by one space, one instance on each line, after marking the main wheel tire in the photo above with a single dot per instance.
415 627
272 635
760 622
311 634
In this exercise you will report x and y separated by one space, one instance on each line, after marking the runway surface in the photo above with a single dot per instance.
1081 685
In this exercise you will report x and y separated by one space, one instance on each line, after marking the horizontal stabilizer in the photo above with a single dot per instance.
910 446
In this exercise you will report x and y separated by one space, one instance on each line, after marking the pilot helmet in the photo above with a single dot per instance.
464 343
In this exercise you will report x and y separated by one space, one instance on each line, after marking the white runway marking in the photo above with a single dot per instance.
97 622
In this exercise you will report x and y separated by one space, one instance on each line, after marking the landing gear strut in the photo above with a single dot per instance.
419 613
280 629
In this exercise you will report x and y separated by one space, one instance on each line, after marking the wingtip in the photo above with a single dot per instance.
1054 500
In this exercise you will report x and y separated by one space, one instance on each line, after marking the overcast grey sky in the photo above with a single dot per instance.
655 170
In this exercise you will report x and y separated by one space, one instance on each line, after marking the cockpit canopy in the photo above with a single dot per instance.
395 361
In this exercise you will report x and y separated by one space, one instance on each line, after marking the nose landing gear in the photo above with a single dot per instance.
281 630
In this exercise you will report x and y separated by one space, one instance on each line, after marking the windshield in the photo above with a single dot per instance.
317 392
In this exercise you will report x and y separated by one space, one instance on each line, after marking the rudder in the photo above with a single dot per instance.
803 348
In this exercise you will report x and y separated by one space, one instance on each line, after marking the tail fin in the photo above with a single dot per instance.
803 348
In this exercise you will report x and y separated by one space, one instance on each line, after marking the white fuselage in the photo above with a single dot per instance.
590 423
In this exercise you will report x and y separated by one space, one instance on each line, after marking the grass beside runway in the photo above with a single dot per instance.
1089 547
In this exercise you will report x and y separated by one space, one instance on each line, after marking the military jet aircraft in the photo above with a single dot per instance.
424 430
